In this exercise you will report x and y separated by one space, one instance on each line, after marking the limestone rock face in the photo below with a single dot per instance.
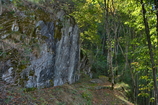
43 52
67 54
0 7
7 76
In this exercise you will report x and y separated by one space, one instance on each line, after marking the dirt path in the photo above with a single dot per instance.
86 92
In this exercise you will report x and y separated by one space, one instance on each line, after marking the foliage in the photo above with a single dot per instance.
132 51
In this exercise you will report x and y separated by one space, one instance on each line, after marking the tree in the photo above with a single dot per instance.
147 31
123 41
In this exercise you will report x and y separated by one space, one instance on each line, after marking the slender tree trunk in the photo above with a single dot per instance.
109 42
109 62
150 52
156 5
134 85
116 27
104 50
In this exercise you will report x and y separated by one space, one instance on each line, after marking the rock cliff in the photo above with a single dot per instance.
39 45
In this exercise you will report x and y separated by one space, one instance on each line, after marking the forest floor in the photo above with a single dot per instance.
84 92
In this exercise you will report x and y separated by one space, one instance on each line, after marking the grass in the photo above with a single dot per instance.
81 93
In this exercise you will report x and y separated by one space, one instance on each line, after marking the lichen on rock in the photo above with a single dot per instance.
46 45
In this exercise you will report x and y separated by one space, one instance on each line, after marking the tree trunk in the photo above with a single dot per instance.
156 7
109 43
147 31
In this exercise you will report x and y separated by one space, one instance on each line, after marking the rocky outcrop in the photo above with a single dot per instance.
0 7
43 52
